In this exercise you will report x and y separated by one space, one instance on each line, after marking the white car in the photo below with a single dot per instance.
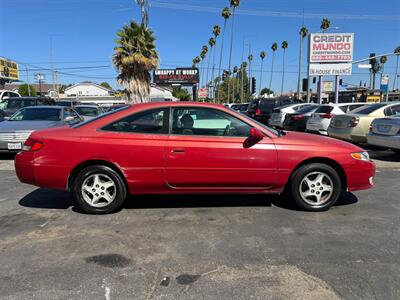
321 118
279 113
4 94
385 133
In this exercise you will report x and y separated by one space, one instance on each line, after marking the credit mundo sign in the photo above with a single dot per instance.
331 47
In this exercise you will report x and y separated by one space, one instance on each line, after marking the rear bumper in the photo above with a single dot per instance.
385 141
347 134
35 171
316 127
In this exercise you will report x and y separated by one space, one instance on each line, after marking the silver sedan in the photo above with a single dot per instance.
385 132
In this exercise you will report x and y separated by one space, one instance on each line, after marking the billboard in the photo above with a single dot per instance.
330 69
188 76
8 69
331 47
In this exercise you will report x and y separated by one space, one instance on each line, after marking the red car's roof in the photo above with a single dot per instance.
179 103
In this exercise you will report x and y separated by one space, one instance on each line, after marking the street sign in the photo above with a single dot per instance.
39 77
8 69
331 47
364 66
342 69
384 84
203 93
188 76
327 86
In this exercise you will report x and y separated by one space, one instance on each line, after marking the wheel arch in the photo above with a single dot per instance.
93 162
323 160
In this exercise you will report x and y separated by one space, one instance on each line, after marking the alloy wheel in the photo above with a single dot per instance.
316 188
98 190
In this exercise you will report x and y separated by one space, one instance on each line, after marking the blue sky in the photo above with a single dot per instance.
83 32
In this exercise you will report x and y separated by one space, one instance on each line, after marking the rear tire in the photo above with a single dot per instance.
99 190
315 187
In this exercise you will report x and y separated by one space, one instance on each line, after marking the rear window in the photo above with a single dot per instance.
266 105
324 109
367 109
37 114
87 111
307 109
101 116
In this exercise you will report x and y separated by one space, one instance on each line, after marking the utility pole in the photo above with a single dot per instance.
337 89
57 85
241 94
27 80
51 62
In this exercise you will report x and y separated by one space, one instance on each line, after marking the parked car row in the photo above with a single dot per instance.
376 124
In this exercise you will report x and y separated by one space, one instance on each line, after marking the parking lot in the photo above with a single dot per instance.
201 247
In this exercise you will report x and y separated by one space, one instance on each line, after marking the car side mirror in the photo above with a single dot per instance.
254 137
69 119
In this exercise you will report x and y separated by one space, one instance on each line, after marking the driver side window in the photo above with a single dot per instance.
207 122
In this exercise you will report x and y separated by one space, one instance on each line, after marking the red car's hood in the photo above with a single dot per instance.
306 139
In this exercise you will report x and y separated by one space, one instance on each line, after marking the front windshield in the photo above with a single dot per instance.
87 111
37 114
101 116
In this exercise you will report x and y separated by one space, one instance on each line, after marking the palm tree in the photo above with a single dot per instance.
284 47
216 32
196 61
211 43
235 70
226 13
234 4
274 47
325 24
397 52
135 56
263 55
303 33
203 55
243 68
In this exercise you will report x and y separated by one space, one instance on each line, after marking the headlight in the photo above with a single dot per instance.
360 155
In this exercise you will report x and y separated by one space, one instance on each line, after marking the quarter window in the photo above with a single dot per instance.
207 122
152 121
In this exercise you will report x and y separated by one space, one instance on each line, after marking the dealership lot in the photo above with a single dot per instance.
201 247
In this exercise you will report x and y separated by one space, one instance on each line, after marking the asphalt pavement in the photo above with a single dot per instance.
201 247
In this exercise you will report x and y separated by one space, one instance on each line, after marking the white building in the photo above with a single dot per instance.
161 94
87 89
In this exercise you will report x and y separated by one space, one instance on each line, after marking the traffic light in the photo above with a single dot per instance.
372 61
314 80
340 82
305 84
253 85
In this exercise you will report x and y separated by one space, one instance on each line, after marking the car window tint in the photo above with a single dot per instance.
307 109
151 121
344 108
87 111
267 105
29 102
324 109
14 104
395 110
254 104
367 109
37 114
207 122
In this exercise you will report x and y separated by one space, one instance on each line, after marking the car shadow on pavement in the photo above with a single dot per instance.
7 156
53 199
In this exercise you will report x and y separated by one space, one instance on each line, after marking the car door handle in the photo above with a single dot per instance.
178 150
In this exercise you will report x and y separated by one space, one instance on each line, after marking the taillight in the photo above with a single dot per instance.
327 116
32 145
258 112
354 121
297 118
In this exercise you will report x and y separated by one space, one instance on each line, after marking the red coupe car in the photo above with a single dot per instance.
175 148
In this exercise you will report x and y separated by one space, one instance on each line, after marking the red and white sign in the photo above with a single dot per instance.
203 93
331 47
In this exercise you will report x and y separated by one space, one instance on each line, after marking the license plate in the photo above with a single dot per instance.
14 146
384 128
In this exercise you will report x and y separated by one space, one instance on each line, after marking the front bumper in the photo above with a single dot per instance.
360 175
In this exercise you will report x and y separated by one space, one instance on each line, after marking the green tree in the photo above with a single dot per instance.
135 56
216 33
211 43
303 33
237 84
274 47
234 4
24 91
263 55
266 91
226 13
284 47
181 94
106 85
196 61
397 52
203 54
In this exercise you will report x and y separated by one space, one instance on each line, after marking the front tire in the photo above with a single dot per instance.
99 190
315 187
